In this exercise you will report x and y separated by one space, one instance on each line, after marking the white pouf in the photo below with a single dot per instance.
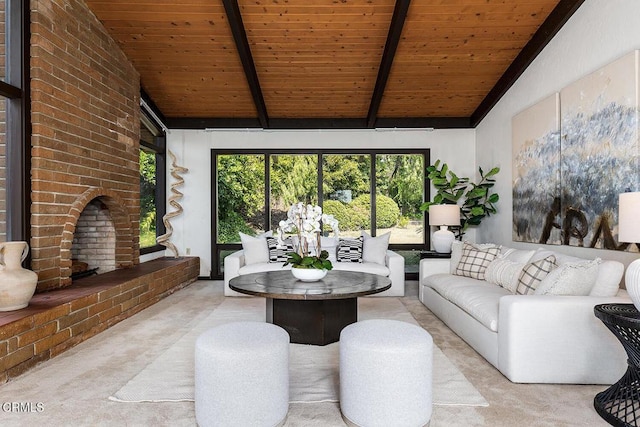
385 374
242 375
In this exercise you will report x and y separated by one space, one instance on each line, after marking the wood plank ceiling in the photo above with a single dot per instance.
329 63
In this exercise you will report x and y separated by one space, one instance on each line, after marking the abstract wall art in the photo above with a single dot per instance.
594 157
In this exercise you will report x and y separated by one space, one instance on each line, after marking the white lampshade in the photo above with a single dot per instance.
629 231
629 217
444 215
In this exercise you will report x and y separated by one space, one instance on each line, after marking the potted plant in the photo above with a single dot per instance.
309 262
478 201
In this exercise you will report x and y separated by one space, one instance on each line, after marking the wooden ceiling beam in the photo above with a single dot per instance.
393 38
549 28
242 45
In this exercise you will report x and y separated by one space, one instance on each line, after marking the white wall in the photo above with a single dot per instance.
192 229
598 33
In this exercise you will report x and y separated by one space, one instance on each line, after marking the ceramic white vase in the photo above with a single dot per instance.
17 284
308 274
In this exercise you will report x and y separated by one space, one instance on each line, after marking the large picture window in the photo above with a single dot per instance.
375 191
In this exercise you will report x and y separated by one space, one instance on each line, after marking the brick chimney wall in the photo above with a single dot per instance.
85 139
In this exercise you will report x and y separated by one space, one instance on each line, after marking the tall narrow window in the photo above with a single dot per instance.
14 137
152 183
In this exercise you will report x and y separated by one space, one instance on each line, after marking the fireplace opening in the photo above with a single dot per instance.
93 250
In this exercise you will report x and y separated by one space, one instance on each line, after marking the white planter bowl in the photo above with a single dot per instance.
308 274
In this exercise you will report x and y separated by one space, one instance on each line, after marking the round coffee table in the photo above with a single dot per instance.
311 312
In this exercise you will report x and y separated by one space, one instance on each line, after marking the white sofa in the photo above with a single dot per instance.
234 265
530 338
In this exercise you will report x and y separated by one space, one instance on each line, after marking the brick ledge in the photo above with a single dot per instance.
58 320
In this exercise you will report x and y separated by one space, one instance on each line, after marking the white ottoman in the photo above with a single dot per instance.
385 374
242 375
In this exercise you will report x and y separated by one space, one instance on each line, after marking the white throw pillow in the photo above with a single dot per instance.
456 252
504 273
571 278
374 249
256 249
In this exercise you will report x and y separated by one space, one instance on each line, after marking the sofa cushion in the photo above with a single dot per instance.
456 252
504 273
262 266
541 253
350 250
364 267
474 261
533 273
571 278
516 255
255 249
374 249
481 300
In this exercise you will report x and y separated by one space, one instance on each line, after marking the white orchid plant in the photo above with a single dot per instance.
306 222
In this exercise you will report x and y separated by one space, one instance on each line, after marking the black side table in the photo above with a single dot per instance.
619 405
434 254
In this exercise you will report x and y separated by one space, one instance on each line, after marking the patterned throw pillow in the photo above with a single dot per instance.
474 261
279 253
350 250
533 273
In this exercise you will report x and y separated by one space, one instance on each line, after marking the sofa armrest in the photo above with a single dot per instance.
232 265
557 339
395 264
431 266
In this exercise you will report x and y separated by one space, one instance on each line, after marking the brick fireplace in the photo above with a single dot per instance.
85 117
85 140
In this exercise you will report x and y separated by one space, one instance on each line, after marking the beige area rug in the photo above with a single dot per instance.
313 375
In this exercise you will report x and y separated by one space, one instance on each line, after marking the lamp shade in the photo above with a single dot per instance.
444 215
629 217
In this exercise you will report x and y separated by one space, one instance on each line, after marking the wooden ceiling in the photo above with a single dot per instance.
329 63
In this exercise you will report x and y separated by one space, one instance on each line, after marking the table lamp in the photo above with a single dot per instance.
629 231
443 216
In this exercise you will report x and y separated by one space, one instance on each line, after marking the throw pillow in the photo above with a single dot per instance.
350 250
278 253
474 261
374 249
572 278
456 252
504 273
255 249
533 273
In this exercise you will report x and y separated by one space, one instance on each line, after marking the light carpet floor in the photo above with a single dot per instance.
314 373
74 387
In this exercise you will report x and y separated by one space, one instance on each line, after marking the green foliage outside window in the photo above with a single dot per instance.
147 199
293 178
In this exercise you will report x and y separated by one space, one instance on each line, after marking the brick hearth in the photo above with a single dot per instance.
57 320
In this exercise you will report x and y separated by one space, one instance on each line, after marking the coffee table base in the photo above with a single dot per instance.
317 322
